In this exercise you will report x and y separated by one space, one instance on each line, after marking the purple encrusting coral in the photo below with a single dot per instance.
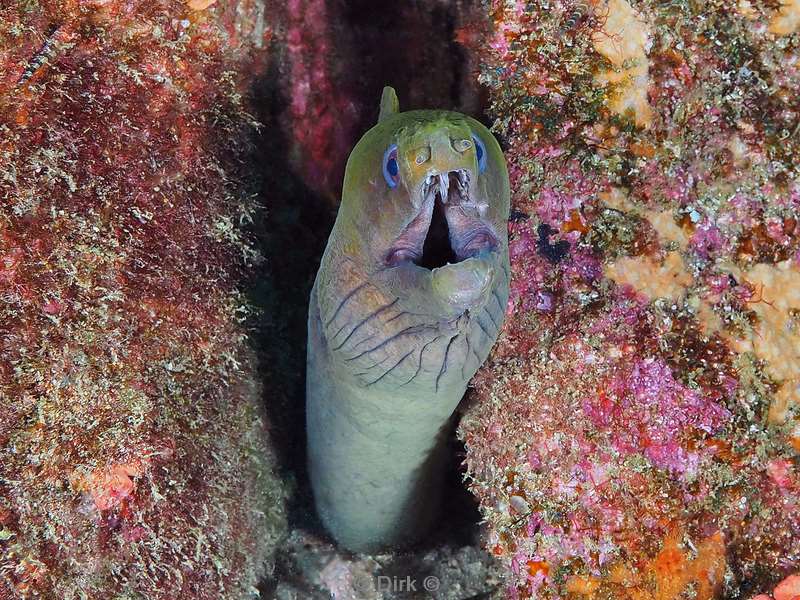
635 433
133 453
663 410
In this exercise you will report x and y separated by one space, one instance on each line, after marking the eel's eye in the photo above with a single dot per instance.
391 171
480 150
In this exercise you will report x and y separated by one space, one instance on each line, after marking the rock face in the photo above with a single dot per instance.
311 569
636 433
133 453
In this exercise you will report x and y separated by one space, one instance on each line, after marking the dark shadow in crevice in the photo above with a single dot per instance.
429 70
410 46
291 235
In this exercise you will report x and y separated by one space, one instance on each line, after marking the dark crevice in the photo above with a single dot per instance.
297 222
295 217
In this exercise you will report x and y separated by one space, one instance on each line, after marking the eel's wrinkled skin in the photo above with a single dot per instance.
395 331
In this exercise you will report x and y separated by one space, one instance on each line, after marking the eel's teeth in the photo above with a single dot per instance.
443 185
429 192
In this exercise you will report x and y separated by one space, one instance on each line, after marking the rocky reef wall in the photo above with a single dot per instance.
636 431
169 171
134 453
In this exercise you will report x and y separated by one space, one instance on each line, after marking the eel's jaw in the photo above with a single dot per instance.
450 226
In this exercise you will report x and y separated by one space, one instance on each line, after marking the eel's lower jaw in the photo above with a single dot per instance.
464 286
475 239
449 227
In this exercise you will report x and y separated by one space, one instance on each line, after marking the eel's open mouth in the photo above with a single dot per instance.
448 228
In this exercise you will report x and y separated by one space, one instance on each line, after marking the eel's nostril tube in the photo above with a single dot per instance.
422 155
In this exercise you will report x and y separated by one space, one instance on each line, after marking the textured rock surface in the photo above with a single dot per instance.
311 568
133 453
636 433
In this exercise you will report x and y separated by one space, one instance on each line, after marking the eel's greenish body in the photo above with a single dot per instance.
392 344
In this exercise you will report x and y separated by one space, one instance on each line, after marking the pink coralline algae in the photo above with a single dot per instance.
321 116
707 240
133 453
664 412
635 432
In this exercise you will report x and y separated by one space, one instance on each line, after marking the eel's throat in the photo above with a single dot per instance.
449 227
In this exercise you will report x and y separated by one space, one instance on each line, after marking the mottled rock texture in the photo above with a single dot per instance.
636 431
312 569
134 460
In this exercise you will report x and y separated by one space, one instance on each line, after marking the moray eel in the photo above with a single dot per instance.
408 300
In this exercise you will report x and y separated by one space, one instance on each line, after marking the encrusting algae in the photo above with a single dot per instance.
635 433
133 454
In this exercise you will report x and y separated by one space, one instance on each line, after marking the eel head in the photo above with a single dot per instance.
419 250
